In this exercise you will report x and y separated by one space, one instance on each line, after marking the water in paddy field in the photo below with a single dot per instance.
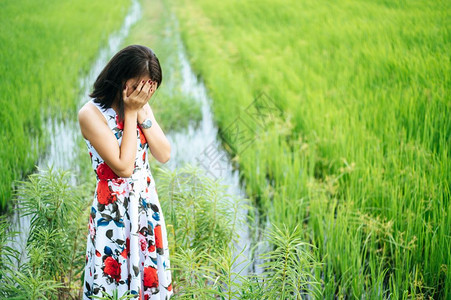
200 145
187 146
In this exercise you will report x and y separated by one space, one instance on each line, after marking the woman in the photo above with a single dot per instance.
127 248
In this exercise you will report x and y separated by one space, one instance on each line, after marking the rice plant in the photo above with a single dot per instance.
361 154
203 256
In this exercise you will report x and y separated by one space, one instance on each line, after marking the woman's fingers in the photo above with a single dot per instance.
146 89
138 89
141 95
153 88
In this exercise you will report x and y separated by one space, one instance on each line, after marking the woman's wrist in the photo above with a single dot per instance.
144 114
130 115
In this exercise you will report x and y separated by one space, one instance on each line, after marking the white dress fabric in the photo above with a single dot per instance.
127 246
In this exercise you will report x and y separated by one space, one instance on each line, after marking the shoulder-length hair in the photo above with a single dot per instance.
131 62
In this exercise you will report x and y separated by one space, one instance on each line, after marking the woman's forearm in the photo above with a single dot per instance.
156 139
128 144
158 143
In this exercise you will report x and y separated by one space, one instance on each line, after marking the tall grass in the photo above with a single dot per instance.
46 47
361 153
56 242
203 226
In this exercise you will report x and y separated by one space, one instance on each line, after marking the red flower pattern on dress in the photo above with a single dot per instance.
92 229
142 241
104 172
142 137
118 181
126 250
158 238
112 268
120 125
150 277
104 194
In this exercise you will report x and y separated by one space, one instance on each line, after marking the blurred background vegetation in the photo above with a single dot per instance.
45 48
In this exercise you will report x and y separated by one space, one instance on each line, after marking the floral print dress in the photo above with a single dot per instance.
127 247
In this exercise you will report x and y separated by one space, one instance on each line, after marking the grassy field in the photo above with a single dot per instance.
46 47
360 152
353 157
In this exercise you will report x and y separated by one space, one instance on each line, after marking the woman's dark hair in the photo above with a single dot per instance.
131 62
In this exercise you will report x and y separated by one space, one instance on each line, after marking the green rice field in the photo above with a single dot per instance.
337 114
360 154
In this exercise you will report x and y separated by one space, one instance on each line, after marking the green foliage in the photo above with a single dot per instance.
203 219
361 153
28 285
289 268
208 218
55 244
8 255
46 47
55 207
114 296
202 226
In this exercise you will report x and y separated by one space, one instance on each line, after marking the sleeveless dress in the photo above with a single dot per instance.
127 246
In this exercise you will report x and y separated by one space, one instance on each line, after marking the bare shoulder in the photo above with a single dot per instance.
89 112
86 111
89 117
